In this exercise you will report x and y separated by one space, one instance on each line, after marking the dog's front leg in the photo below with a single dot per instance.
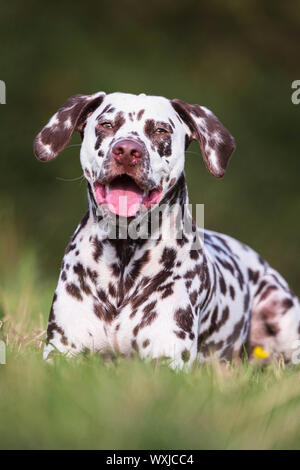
73 324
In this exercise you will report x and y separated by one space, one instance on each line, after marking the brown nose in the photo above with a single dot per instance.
127 152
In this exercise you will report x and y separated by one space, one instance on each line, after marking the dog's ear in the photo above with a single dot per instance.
70 117
216 143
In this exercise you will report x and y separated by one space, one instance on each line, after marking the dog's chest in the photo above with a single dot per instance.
119 272
121 279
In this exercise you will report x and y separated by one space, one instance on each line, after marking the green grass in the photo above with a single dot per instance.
126 404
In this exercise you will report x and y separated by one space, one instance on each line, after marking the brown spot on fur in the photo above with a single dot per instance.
214 326
115 269
232 292
92 275
287 304
107 109
52 327
148 308
168 258
270 327
193 297
81 273
133 314
146 288
185 355
98 249
236 331
112 290
74 291
211 347
253 275
102 295
147 319
136 269
194 254
246 301
167 289
187 141
140 114
52 316
180 334
146 343
260 287
104 312
184 318
222 285
172 123
205 317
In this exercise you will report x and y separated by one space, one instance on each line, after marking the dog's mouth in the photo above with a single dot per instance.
124 196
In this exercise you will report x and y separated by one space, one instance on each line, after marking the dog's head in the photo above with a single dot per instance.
133 146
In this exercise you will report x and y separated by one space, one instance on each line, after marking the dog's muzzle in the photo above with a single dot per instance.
125 189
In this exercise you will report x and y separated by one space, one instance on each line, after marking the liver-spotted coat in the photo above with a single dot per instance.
183 298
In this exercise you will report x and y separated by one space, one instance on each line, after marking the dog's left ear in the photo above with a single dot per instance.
216 143
72 116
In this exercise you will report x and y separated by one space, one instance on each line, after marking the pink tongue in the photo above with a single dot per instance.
124 198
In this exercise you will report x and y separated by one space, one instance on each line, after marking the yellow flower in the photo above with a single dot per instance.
260 353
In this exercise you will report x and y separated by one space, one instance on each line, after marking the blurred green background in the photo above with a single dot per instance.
238 58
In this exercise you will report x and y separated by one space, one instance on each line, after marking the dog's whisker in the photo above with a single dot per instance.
195 153
73 145
70 179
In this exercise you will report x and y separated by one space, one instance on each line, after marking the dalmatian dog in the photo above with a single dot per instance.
155 295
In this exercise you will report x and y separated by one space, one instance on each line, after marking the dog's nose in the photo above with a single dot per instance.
127 152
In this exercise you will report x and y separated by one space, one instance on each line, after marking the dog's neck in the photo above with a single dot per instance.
170 221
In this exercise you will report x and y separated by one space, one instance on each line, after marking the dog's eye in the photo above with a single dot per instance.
107 125
160 130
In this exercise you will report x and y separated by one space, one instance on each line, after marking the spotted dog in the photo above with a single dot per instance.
158 296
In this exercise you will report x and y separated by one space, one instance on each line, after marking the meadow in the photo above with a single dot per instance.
88 403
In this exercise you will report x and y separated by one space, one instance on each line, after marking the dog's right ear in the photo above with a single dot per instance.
70 117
